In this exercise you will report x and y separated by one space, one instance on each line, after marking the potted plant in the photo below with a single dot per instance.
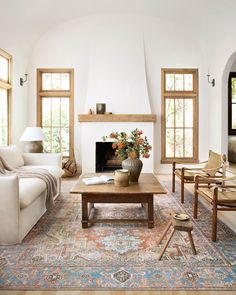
129 148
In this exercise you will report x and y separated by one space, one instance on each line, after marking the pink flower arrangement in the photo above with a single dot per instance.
133 145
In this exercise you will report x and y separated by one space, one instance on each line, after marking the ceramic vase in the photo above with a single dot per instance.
134 166
122 177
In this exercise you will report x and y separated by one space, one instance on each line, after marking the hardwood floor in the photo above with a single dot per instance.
118 292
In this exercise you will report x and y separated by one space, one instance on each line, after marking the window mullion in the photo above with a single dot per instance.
5 92
184 126
174 126
51 124
60 125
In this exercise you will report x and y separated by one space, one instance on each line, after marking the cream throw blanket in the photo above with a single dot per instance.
48 178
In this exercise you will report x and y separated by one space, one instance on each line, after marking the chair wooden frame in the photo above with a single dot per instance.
217 205
195 170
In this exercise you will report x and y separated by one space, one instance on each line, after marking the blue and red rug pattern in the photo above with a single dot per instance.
59 254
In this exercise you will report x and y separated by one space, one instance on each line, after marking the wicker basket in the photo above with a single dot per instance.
69 166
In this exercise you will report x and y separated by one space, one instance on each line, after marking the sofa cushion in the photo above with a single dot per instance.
29 190
12 156
56 171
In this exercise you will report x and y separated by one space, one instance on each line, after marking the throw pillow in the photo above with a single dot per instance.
215 161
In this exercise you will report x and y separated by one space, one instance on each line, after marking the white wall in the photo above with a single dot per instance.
19 93
233 68
19 100
220 48
117 69
166 44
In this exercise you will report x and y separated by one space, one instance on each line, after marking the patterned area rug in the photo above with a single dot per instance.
58 253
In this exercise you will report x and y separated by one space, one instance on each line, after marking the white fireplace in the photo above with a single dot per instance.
116 77
92 132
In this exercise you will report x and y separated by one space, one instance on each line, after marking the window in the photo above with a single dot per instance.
5 97
232 104
56 109
179 115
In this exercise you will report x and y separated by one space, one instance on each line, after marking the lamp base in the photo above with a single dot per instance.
34 147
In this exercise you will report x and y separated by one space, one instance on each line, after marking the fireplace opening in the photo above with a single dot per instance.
106 160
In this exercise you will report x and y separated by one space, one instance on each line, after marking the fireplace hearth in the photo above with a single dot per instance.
106 160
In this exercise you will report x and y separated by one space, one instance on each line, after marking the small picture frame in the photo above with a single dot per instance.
100 108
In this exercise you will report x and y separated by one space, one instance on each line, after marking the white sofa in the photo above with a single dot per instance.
23 201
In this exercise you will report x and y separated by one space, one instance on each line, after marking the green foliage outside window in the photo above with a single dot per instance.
55 118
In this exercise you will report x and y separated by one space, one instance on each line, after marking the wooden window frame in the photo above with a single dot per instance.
8 86
179 94
231 131
56 93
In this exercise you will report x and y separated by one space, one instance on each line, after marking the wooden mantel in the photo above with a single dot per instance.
118 118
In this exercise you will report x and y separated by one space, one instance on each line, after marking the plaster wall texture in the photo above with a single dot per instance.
117 61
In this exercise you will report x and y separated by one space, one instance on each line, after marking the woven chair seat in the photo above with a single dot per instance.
190 175
182 225
225 198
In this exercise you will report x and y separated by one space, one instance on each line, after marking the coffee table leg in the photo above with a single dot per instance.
84 212
150 213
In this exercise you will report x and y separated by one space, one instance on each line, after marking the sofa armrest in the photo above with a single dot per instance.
9 209
43 159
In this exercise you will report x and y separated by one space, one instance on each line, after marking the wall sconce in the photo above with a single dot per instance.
22 81
212 82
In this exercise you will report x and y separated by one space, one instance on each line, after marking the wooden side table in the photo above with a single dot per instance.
177 225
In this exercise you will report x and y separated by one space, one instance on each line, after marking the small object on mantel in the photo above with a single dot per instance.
101 108
90 112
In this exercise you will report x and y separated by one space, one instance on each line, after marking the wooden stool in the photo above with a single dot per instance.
177 225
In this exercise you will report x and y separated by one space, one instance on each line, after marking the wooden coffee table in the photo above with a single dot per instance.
141 192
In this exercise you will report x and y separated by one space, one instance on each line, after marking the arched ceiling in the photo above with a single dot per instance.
22 22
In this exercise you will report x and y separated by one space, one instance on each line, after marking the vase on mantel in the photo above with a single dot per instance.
134 166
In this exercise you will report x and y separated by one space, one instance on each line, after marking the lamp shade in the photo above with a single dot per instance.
32 134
